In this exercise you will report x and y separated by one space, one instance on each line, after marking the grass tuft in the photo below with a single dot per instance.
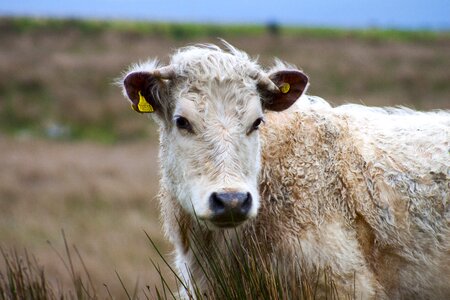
245 269
24 278
240 269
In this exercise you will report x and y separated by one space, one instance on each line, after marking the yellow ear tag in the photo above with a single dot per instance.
285 87
143 106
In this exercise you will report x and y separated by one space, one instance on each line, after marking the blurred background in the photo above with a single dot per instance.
75 157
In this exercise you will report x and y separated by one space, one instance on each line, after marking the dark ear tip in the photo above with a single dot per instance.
292 84
296 79
305 77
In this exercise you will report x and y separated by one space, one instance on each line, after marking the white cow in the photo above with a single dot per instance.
361 191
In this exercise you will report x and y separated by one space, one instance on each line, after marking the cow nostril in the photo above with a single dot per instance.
216 203
246 204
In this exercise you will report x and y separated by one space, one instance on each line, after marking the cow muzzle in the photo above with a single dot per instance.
229 209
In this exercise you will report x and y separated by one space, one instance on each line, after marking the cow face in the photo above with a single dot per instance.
209 119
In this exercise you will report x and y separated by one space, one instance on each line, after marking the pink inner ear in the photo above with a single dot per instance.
298 83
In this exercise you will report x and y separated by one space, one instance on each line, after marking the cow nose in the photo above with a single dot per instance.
230 209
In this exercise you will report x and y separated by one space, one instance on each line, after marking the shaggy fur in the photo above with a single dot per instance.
362 191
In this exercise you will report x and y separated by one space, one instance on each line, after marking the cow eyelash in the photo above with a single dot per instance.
255 125
183 123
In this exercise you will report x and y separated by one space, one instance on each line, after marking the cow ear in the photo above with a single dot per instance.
143 91
291 83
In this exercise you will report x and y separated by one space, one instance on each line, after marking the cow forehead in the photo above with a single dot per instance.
219 98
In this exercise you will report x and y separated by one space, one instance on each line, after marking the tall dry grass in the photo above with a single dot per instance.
245 268
24 278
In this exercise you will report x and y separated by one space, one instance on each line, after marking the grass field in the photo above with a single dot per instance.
75 157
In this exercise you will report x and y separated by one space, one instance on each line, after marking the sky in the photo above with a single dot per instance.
402 14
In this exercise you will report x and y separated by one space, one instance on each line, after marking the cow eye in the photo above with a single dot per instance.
256 124
183 123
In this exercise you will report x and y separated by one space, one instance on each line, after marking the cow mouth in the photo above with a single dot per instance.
229 221
227 224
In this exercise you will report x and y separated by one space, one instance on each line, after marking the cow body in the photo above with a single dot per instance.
369 191
363 192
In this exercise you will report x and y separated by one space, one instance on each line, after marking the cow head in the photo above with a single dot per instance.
209 104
